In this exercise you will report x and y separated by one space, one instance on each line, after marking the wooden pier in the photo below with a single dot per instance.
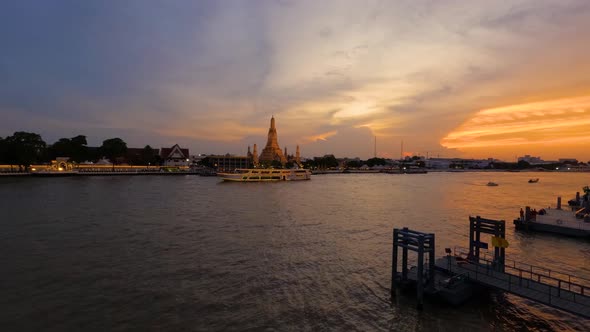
457 274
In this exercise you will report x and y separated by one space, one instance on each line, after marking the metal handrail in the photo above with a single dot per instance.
489 272
556 282
530 267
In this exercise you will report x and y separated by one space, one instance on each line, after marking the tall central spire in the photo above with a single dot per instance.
272 151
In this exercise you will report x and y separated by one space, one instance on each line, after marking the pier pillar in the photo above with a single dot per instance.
405 256
477 238
431 261
420 243
497 228
420 273
471 235
394 263
559 203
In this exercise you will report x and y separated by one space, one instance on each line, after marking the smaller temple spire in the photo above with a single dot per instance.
255 156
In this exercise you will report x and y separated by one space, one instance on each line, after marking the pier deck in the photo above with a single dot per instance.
532 283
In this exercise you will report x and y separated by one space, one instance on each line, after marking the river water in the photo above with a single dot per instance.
192 253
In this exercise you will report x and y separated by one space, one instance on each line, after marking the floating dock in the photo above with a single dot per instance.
575 222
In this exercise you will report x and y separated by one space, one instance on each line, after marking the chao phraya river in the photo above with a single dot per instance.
192 253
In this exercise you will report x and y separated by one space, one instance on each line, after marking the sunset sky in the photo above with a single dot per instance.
450 78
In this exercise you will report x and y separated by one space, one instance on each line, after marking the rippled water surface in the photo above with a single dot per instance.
191 253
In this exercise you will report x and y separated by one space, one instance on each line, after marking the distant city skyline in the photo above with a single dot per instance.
470 79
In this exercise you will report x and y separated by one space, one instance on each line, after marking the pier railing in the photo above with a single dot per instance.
553 284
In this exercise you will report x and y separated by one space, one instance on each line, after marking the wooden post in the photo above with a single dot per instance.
477 238
405 257
471 230
420 275
431 262
559 203
394 262
497 250
503 250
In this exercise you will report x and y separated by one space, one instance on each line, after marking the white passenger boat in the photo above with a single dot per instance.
574 223
263 175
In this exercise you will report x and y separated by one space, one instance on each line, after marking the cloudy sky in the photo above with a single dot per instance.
449 78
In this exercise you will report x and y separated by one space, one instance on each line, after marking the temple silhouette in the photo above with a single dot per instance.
272 151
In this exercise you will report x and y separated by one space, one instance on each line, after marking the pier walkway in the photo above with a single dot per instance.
555 289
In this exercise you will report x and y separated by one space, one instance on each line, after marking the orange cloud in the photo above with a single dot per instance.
555 122
320 137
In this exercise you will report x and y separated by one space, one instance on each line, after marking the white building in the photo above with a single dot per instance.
175 156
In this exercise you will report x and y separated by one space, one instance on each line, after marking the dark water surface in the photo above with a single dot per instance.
191 253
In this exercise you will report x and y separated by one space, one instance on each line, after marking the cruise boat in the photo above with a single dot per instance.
265 175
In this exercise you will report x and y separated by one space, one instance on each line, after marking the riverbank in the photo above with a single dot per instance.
65 174
314 172
426 170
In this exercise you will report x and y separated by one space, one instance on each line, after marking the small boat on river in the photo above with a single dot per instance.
492 184
534 180
266 175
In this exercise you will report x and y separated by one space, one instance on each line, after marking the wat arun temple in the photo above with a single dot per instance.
272 151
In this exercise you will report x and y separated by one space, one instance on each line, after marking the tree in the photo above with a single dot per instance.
354 163
74 148
376 161
79 149
2 151
61 148
113 148
24 148
147 155
325 162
